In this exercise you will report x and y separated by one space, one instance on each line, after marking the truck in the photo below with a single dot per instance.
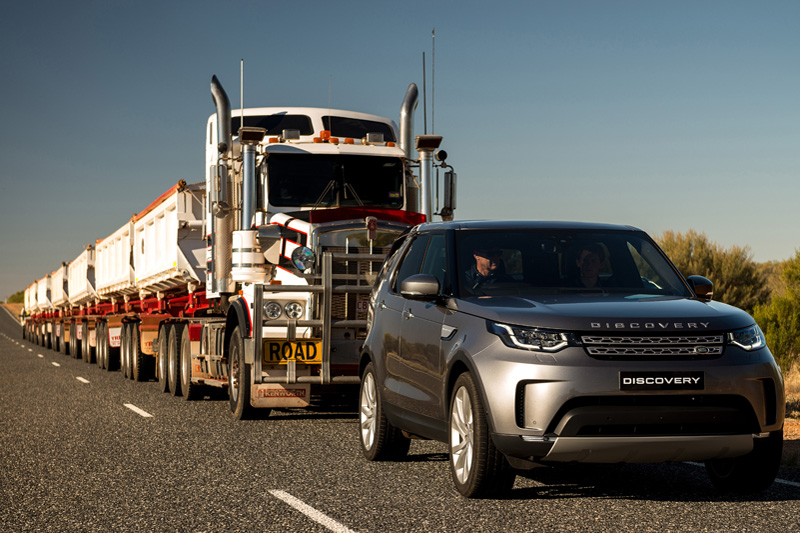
255 280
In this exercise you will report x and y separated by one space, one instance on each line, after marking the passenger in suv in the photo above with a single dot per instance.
535 367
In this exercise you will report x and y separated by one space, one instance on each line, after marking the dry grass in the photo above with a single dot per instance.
792 384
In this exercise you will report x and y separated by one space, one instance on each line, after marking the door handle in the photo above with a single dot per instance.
408 314
382 306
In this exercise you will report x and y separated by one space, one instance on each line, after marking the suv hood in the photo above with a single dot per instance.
609 312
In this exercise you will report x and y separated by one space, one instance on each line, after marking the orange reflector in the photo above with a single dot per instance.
276 282
391 144
349 141
317 139
334 140
325 135
274 139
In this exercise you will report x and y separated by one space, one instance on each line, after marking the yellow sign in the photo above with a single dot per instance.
278 351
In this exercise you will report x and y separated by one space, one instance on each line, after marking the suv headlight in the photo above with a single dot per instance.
526 338
749 339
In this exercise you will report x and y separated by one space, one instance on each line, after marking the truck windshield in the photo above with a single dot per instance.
334 181
543 261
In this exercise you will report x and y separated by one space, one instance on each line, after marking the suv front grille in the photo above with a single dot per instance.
655 348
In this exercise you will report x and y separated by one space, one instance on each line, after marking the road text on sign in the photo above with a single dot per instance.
277 351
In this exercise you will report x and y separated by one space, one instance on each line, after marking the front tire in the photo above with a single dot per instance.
477 467
238 378
749 473
379 439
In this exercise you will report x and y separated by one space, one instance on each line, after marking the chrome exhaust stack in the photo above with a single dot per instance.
219 194
406 141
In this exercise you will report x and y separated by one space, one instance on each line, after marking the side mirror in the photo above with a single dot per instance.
449 195
268 237
420 287
701 286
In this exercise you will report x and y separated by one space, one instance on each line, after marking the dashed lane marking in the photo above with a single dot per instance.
82 380
40 356
138 411
310 512
55 364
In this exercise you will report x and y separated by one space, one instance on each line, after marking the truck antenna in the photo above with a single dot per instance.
241 92
424 97
433 81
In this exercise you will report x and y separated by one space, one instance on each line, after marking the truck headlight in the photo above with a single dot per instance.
303 258
294 310
536 339
272 310
749 339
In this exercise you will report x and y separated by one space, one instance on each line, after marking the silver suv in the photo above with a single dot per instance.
519 343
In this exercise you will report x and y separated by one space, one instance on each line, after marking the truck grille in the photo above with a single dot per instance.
655 348
356 273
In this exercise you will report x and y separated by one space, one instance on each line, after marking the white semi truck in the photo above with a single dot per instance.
257 279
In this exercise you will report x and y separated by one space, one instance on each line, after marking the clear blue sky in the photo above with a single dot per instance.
664 115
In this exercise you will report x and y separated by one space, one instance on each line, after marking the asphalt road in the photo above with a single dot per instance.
75 458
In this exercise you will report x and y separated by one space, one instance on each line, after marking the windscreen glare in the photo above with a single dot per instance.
335 181
529 262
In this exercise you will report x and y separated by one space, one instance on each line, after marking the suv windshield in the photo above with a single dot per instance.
335 181
542 261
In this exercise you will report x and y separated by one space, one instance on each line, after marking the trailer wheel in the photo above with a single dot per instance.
191 391
163 339
112 354
98 336
173 360
139 359
238 378
74 344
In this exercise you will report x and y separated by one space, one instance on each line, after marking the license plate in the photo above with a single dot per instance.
279 351
676 380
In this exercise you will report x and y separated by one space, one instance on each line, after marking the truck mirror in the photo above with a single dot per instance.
449 195
268 237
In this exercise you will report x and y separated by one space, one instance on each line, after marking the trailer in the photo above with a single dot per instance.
255 280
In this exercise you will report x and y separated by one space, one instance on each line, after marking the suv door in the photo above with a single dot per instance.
415 376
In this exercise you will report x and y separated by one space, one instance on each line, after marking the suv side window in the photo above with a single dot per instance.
411 263
435 262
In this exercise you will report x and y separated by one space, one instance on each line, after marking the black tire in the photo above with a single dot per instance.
191 391
48 338
140 361
161 361
478 469
89 352
101 342
74 343
113 355
84 342
380 440
239 378
173 359
749 473
125 350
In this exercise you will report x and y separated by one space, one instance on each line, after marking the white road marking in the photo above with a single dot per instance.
777 480
55 364
310 512
82 380
138 411
40 356
30 349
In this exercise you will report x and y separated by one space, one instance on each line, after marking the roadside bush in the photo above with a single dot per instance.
737 279
780 318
